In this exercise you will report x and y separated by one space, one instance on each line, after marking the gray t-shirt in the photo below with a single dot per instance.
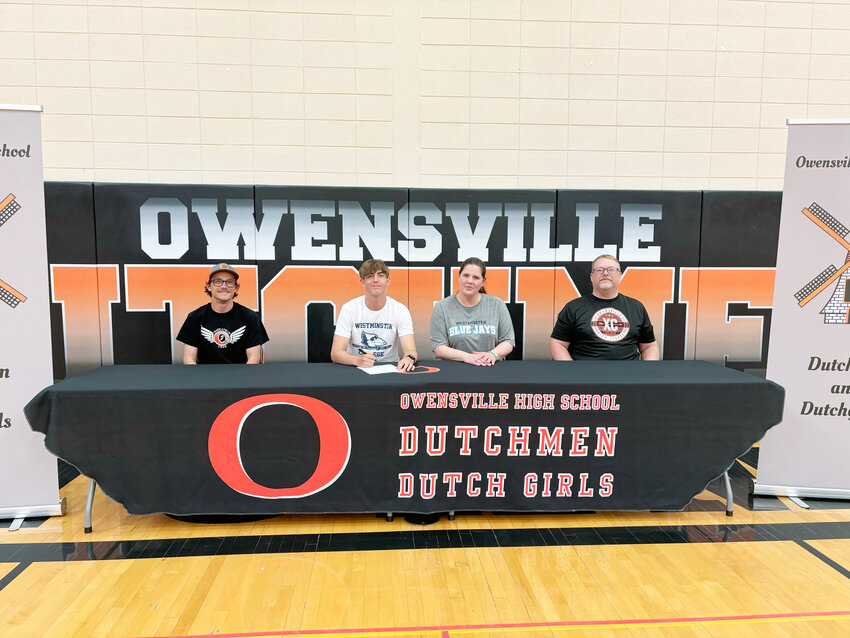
476 329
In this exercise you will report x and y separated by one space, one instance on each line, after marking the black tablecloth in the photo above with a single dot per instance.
327 438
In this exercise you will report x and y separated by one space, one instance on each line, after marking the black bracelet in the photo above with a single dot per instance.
412 358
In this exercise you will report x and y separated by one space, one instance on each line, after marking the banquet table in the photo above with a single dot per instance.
315 437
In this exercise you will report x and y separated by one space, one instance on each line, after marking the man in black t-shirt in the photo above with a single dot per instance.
222 331
604 324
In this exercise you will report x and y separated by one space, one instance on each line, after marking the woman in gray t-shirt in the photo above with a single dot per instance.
472 326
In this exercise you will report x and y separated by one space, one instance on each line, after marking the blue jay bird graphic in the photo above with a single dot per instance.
372 341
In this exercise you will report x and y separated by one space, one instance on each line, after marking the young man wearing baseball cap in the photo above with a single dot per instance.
222 331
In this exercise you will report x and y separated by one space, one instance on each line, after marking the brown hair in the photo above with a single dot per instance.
474 261
371 266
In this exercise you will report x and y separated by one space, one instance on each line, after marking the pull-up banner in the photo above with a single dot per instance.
28 474
806 455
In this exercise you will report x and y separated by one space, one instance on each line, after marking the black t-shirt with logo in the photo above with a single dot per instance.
604 328
223 337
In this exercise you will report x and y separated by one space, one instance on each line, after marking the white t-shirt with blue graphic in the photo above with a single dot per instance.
374 331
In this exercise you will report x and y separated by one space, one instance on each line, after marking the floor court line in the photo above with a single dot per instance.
13 573
823 557
450 630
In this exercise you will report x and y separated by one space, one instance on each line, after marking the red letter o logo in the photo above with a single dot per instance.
334 445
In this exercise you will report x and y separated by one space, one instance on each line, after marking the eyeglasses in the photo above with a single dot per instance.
602 271
230 283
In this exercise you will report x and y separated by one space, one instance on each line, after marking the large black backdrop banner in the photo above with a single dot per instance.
128 262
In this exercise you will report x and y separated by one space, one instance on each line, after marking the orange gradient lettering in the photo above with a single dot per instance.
543 291
86 293
712 333
285 300
418 289
653 287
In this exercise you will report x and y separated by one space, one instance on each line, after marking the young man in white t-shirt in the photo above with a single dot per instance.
374 328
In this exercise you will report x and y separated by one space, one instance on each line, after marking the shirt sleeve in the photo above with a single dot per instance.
344 322
646 333
190 332
563 329
438 333
405 322
506 326
256 332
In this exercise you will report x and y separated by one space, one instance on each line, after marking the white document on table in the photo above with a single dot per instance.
384 369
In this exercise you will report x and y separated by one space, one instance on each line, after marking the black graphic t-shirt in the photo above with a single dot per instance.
604 328
223 337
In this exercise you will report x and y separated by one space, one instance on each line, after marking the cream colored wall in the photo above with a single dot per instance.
667 94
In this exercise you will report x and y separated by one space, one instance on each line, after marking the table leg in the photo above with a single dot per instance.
89 501
728 483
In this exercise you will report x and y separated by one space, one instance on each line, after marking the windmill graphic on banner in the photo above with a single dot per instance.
837 309
8 295
8 207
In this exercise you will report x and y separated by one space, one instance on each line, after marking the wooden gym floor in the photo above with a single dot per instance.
773 569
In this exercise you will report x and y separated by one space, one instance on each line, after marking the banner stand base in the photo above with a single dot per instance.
33 511
763 489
